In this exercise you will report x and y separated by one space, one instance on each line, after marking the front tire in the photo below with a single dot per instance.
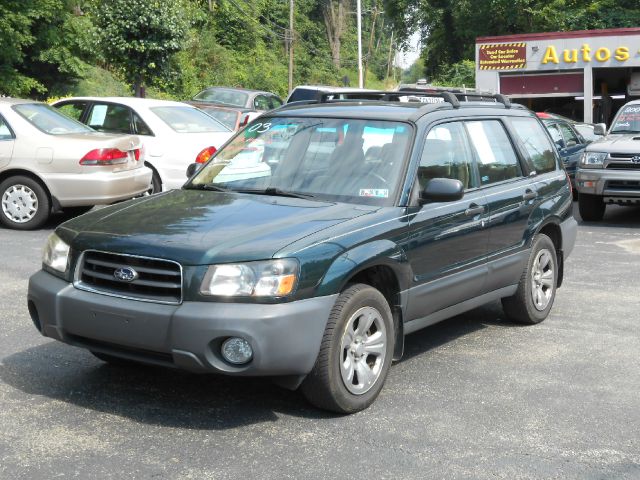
536 291
591 207
355 353
25 204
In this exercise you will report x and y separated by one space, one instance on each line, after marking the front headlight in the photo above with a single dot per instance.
56 254
592 159
271 278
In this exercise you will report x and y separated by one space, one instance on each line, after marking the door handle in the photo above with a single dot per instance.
474 210
529 195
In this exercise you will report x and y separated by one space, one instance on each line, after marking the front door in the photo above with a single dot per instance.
447 241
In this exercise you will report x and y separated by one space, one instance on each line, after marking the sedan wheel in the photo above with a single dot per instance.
25 203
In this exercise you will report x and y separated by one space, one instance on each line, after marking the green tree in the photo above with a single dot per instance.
138 37
44 43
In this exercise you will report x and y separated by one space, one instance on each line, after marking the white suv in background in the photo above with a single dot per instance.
174 134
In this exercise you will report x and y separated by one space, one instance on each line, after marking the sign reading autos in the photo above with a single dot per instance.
503 56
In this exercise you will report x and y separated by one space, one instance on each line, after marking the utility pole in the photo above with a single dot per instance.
390 50
290 46
359 13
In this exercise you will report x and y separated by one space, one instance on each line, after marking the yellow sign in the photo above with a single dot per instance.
503 56
585 54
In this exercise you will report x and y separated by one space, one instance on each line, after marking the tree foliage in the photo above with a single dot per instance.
139 37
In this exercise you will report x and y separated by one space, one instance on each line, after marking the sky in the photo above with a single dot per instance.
406 59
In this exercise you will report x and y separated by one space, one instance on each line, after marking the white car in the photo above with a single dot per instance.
50 162
174 134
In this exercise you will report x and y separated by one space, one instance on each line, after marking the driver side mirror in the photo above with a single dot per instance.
442 190
600 129
192 169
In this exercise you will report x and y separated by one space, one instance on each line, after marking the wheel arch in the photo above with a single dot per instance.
381 264
551 228
13 172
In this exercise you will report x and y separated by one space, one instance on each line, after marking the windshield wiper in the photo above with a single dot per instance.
276 192
208 186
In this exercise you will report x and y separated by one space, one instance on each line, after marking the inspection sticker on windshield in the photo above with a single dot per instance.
374 192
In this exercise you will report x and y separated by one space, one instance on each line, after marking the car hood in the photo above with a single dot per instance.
617 143
197 227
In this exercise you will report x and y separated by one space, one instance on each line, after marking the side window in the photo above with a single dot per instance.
274 102
447 154
556 136
110 118
261 103
5 132
536 144
73 110
568 135
497 160
140 127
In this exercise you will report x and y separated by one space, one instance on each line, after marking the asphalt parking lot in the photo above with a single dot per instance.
475 396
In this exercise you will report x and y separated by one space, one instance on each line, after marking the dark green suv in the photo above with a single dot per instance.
315 240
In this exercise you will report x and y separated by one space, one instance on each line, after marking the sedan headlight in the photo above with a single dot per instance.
592 159
56 254
271 278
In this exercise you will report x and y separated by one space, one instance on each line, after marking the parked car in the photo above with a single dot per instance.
257 100
569 142
49 162
313 92
609 170
174 134
587 130
232 117
310 262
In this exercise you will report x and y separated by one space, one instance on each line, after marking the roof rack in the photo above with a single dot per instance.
451 97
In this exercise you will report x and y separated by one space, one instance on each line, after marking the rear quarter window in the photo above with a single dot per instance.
536 144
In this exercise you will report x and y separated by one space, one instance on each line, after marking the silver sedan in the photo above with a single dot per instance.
50 162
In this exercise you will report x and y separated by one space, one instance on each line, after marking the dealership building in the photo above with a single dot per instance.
587 75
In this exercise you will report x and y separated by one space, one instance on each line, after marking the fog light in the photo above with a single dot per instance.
236 350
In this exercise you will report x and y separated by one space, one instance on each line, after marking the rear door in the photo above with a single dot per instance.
6 142
447 241
511 196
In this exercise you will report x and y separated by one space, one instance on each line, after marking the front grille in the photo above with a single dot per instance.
622 161
622 185
157 280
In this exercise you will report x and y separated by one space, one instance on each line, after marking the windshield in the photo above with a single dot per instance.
358 161
188 120
223 95
226 117
627 120
49 120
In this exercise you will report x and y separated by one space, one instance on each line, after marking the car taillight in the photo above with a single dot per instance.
104 156
136 153
570 185
244 122
205 155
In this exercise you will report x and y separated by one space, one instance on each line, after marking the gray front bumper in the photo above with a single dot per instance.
285 337
602 177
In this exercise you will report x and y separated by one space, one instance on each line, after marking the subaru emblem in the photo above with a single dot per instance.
635 159
125 274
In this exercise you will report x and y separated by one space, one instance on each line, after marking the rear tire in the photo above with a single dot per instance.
591 207
536 291
355 353
25 204
156 182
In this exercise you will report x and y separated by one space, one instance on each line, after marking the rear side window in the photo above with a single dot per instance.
261 103
107 117
5 132
497 160
535 143
73 110
274 102
446 154
141 127
568 134
303 94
